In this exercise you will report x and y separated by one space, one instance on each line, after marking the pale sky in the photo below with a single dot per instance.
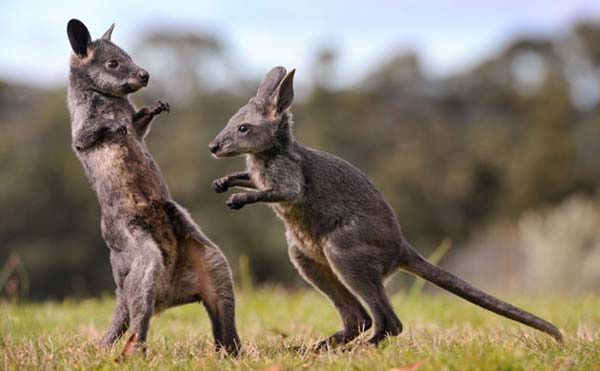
448 35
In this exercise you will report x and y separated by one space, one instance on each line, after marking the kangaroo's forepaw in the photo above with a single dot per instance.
220 185
117 127
122 130
236 201
160 107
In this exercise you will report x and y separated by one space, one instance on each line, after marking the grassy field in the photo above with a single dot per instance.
279 327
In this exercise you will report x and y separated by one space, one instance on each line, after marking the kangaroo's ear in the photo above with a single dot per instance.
285 93
270 82
108 34
79 37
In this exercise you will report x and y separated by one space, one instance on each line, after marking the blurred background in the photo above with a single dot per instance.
479 122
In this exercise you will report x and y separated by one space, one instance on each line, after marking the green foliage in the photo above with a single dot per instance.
278 329
246 280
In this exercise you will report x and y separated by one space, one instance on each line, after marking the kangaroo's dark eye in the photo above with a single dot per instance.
244 128
112 64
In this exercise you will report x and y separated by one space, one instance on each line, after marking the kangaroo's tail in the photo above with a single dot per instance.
419 266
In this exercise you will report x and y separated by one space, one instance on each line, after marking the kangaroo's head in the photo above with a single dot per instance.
263 123
101 65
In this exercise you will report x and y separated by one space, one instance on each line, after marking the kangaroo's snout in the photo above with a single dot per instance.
137 79
144 76
213 147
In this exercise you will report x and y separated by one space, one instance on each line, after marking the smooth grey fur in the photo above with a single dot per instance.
159 256
343 237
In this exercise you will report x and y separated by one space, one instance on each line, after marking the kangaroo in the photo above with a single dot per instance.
159 256
343 237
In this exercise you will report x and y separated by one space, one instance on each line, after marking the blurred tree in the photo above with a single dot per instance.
519 130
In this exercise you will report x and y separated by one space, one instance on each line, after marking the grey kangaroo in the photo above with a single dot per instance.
159 256
343 237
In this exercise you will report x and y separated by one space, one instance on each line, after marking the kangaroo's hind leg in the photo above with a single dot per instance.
214 284
354 317
358 268
210 278
140 288
120 321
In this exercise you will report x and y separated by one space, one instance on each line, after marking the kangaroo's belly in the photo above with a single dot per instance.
145 237
134 201
301 229
124 176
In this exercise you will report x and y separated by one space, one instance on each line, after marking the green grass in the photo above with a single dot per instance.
279 327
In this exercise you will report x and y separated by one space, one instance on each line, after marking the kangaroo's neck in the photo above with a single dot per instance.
284 142
87 103
82 93
284 139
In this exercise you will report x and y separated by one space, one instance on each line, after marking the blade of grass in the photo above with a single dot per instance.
246 280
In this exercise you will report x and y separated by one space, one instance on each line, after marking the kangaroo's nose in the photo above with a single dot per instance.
213 147
144 76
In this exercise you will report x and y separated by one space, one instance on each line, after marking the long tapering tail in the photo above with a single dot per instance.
419 266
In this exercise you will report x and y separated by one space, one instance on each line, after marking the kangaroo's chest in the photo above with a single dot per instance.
259 174
124 176
297 216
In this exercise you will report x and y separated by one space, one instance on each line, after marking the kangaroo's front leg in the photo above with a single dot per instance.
87 136
287 187
241 179
143 117
238 200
